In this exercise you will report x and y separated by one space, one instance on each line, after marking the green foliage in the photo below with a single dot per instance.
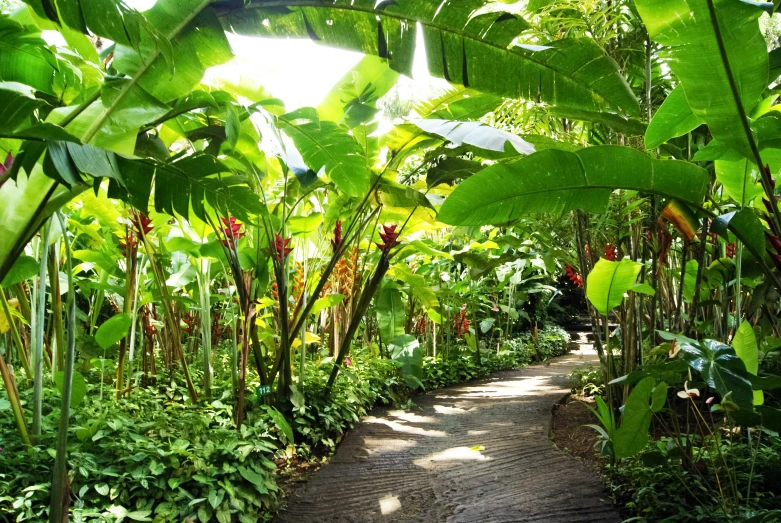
646 398
587 381
516 352
608 281
661 485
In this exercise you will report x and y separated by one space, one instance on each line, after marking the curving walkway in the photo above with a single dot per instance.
474 453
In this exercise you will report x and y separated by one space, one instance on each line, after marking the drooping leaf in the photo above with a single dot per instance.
24 268
26 57
687 30
673 118
608 281
556 181
464 45
326 302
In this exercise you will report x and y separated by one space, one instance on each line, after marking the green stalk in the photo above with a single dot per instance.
13 398
40 310
204 279
15 336
58 361
58 512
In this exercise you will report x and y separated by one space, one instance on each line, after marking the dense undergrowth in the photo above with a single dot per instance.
153 457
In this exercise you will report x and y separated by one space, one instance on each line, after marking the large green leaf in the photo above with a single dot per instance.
673 118
390 312
170 59
557 181
686 29
747 349
644 400
113 330
26 57
719 366
325 145
418 286
190 184
24 206
406 350
467 42
608 281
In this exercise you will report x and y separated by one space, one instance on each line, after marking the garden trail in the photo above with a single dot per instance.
478 452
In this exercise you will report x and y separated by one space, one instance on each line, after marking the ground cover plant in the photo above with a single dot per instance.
198 283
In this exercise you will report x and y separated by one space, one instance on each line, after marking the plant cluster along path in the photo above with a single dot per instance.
479 452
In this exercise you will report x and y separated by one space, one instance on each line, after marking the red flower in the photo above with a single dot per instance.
389 237
142 223
130 241
610 252
231 231
337 241
574 277
731 250
281 247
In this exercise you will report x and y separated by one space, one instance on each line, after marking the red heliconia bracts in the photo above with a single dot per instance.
772 235
281 247
337 241
573 276
611 252
142 223
389 237
231 231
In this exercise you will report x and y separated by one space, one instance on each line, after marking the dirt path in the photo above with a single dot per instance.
474 453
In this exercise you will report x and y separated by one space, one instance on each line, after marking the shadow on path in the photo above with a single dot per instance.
473 453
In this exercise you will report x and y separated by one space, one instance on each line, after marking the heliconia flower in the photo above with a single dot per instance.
610 252
231 231
281 247
142 223
574 277
337 241
348 361
709 400
687 392
389 237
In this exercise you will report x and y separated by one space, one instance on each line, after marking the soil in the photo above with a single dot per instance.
569 433
478 452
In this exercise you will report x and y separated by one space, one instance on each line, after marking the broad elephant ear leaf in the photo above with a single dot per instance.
719 366
466 43
608 281
691 38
